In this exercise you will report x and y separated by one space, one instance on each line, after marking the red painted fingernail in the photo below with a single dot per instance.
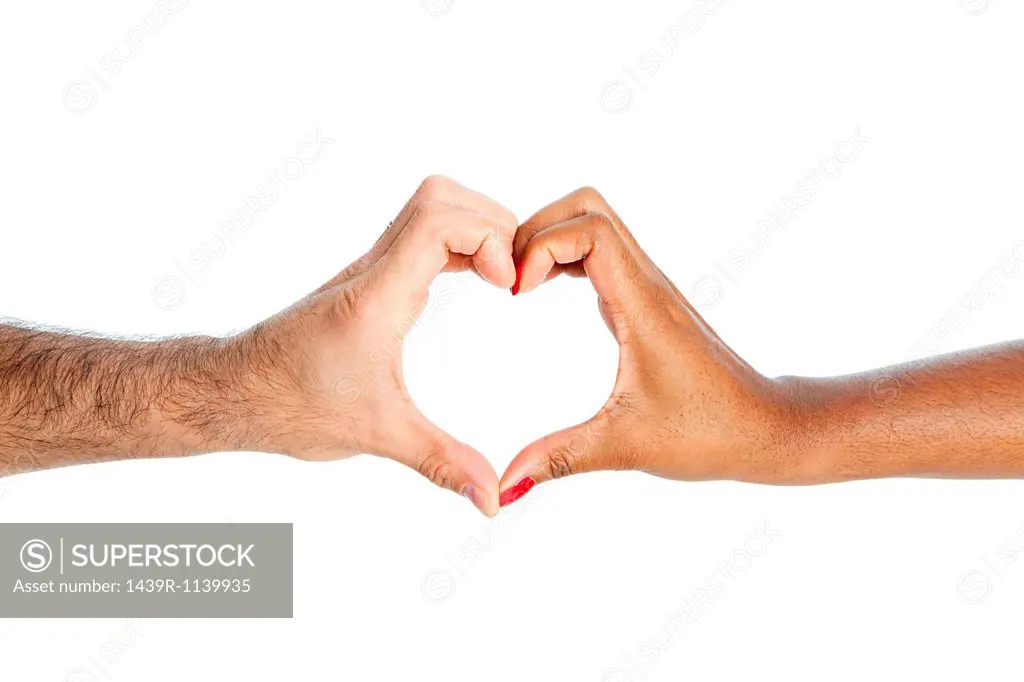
519 276
517 491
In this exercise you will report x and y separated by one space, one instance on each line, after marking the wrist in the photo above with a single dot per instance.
785 446
825 420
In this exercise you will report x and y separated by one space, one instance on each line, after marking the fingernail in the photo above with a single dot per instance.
519 276
476 496
516 492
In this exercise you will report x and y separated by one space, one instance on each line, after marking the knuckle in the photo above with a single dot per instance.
561 463
590 198
588 193
349 303
438 469
435 187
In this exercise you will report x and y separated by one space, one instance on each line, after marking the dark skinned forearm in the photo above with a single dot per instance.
957 416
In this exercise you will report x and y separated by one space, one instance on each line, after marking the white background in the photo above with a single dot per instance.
111 183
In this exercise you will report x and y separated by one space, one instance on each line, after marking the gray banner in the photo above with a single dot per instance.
145 570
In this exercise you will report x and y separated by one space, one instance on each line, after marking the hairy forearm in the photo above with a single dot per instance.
67 399
959 415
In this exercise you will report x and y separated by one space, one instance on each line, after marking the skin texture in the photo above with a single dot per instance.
686 407
319 381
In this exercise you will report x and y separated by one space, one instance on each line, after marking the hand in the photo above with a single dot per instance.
684 406
323 379
326 374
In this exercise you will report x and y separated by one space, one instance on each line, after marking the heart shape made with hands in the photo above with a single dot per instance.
375 302
494 370
512 246
683 406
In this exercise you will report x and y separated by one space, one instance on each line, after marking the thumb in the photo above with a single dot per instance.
576 450
445 461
